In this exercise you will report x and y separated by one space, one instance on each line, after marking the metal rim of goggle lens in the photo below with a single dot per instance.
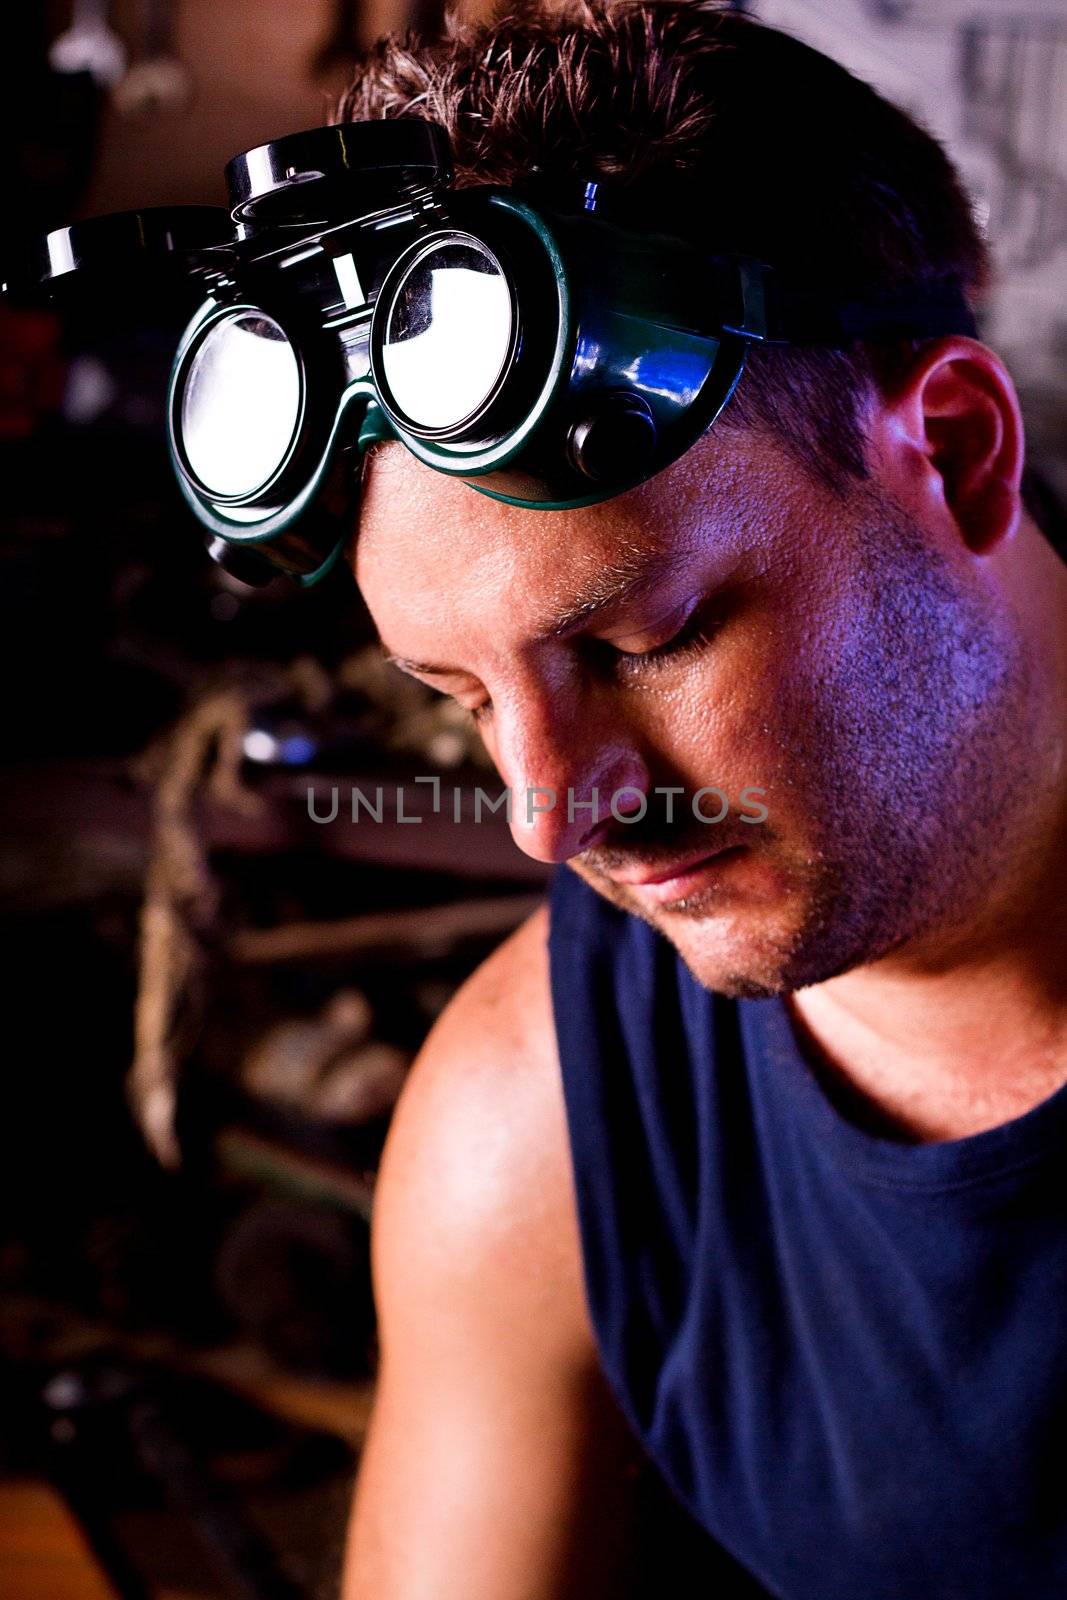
444 335
239 405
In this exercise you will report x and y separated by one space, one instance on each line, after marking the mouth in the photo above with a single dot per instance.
680 878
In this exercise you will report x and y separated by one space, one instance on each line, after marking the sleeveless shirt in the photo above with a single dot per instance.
845 1355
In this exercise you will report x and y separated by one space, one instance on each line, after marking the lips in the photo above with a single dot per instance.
643 877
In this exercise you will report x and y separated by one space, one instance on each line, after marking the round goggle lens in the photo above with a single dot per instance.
447 335
240 404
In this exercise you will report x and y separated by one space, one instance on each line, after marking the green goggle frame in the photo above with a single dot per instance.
547 344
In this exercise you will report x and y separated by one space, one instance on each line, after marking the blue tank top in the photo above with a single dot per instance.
847 1356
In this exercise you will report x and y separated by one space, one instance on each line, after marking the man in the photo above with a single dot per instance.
741 1156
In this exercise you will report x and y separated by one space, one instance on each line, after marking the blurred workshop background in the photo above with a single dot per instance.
212 999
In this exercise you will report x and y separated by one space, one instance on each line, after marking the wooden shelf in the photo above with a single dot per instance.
72 830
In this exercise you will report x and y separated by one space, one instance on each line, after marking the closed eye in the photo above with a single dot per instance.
692 635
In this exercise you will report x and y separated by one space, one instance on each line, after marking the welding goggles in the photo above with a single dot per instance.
551 344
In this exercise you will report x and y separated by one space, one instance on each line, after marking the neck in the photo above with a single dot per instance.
925 1054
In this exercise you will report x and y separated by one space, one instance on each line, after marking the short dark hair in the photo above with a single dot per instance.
793 159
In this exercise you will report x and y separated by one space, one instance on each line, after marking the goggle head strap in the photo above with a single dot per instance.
769 311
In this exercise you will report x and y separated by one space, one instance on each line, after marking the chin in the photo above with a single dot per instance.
756 952
741 954
743 965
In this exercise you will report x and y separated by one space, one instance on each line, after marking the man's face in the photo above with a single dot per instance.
733 623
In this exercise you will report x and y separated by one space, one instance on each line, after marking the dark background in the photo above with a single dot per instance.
210 1000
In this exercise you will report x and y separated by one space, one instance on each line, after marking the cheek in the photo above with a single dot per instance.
764 708
739 707
860 706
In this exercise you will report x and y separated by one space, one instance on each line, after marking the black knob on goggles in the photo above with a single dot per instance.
614 438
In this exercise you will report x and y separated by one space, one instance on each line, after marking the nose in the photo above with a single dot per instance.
574 770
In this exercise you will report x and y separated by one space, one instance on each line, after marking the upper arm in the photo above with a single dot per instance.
497 1466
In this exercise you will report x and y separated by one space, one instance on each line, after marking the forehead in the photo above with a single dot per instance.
429 548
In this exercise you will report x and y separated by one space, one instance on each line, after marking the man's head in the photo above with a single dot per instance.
825 600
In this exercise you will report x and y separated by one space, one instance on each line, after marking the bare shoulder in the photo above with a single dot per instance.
497 1462
476 1188
506 1005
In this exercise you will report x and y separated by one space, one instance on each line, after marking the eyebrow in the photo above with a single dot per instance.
429 668
625 580
639 570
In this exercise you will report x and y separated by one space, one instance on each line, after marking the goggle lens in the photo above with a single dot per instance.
448 335
240 404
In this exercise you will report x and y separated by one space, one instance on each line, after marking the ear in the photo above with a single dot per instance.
949 438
